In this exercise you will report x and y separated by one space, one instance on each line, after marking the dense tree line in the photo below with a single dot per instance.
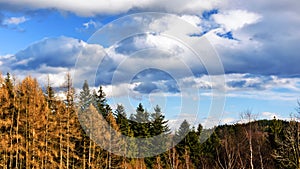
40 130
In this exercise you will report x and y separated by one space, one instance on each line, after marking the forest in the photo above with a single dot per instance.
40 130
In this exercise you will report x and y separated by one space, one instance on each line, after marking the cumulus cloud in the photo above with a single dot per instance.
53 56
149 73
244 35
48 51
235 19
192 19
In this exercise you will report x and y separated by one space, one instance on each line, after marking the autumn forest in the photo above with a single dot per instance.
41 130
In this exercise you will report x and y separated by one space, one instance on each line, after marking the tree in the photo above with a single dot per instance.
195 145
85 97
121 119
181 137
70 126
140 122
248 115
158 123
159 131
115 142
288 152
140 126
50 140
100 102
6 120
227 152
32 122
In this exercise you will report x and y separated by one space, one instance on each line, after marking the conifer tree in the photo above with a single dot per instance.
159 132
181 137
85 97
70 125
6 121
140 125
121 119
100 102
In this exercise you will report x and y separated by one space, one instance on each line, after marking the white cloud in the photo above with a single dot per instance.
94 7
228 120
236 19
174 124
15 20
90 23
269 115
192 19
49 61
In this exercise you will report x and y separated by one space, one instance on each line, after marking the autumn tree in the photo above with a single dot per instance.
69 126
6 120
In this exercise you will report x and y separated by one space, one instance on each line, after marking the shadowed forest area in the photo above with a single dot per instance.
40 130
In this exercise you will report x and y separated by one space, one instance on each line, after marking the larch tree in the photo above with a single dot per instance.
51 128
6 121
33 110
71 127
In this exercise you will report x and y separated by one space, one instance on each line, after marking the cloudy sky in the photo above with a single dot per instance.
206 60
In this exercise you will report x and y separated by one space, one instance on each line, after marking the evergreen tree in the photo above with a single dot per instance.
182 147
140 125
159 125
195 145
140 122
100 102
121 119
85 97
159 131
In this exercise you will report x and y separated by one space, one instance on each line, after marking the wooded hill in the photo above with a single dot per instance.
38 130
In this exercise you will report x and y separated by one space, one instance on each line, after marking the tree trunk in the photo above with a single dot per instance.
11 141
17 133
68 144
250 147
186 159
84 158
60 146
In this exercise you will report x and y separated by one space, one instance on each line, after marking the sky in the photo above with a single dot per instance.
206 61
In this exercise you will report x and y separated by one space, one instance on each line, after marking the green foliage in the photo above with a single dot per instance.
122 121
85 97
100 102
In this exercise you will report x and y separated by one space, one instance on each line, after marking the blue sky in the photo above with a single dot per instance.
256 43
